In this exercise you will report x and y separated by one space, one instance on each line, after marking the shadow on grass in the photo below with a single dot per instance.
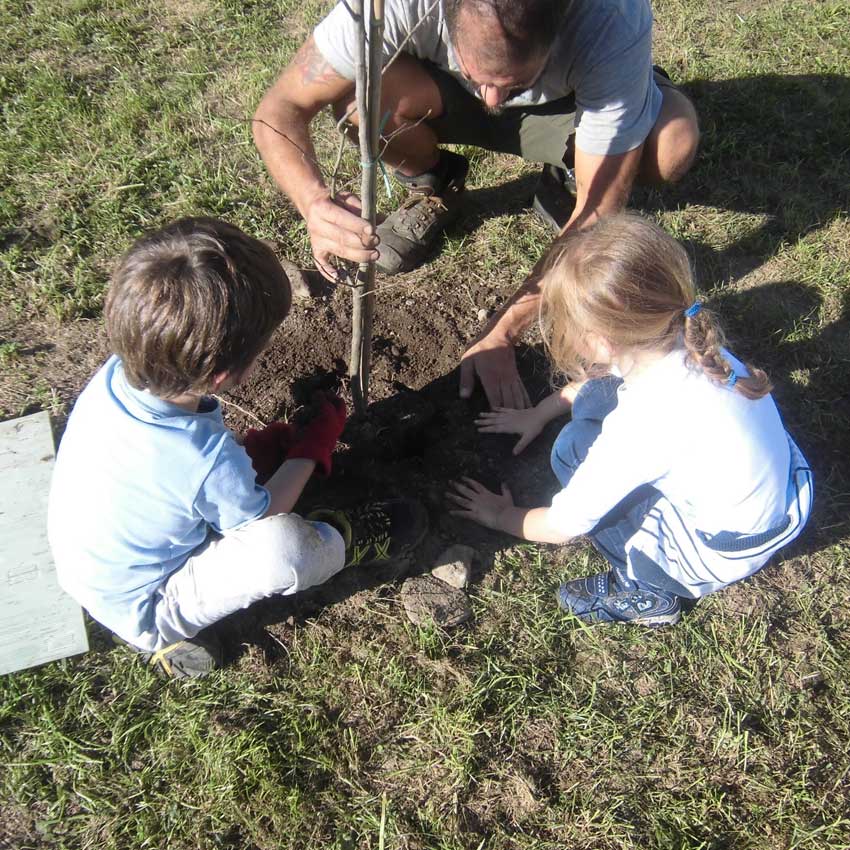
772 144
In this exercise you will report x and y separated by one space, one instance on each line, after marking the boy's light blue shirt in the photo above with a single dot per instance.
139 484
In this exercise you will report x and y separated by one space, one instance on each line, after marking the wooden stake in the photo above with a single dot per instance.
368 94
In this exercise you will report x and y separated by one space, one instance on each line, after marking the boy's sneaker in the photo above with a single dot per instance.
600 599
377 532
408 234
191 658
555 196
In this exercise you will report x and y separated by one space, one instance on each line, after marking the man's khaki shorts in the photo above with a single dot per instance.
543 133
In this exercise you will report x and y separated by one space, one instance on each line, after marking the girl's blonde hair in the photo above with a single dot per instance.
627 281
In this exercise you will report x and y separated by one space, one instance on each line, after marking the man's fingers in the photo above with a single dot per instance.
521 443
349 222
519 399
506 492
325 268
339 241
493 391
336 247
349 201
467 377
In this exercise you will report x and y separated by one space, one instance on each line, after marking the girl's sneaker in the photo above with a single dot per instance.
377 532
600 599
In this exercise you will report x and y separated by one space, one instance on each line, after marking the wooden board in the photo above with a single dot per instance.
39 622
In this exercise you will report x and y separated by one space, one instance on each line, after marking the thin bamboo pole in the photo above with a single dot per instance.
368 95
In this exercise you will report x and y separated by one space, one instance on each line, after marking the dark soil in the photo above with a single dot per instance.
418 434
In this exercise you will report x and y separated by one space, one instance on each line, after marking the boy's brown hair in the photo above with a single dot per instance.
194 299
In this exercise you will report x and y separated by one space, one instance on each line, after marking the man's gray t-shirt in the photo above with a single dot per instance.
603 54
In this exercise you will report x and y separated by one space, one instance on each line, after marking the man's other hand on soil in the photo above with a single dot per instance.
336 229
493 359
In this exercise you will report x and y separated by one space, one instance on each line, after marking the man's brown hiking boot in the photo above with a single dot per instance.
408 234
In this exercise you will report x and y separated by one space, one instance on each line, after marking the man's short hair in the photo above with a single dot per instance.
194 299
530 26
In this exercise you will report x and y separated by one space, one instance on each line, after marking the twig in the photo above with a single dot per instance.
280 133
248 413
353 108
410 35
368 98
337 163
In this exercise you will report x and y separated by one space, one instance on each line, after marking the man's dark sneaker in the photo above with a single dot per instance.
191 658
600 599
555 196
409 233
378 532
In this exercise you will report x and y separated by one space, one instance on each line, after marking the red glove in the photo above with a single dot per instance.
317 438
267 448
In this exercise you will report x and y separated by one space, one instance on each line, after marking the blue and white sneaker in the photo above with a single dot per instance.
600 599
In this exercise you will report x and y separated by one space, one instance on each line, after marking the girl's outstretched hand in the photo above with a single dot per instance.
478 503
504 420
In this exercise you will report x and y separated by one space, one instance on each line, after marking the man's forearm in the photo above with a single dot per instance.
521 310
603 187
282 135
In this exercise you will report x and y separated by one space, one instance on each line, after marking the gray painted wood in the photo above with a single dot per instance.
39 622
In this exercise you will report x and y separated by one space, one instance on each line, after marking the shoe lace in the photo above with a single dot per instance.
372 526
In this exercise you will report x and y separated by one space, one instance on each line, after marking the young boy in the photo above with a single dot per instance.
157 525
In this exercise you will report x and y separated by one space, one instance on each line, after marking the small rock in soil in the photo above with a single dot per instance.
482 315
297 281
454 566
428 600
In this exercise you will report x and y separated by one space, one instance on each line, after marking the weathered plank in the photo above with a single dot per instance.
39 622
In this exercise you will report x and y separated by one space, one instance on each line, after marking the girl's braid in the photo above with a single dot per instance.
704 340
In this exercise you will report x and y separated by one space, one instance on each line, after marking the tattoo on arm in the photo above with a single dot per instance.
312 66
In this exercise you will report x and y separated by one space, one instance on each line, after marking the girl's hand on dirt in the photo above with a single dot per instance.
478 503
504 420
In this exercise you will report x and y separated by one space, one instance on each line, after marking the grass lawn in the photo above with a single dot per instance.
522 730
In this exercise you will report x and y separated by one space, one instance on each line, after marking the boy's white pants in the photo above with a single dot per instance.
277 555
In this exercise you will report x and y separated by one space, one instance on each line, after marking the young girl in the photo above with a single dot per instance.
676 462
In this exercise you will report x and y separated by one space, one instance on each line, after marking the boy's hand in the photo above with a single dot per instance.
317 438
267 447
480 504
504 420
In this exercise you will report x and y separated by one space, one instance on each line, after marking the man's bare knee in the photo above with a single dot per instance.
671 147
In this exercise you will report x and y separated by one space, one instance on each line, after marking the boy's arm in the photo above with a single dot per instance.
287 484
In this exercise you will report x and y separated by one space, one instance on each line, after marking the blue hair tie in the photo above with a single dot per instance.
732 380
693 309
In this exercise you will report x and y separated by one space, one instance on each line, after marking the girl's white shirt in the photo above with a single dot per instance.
722 459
